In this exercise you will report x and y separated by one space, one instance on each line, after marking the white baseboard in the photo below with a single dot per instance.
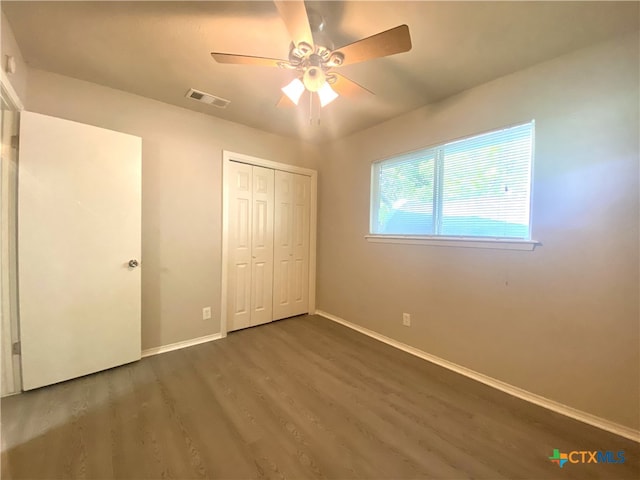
178 345
552 405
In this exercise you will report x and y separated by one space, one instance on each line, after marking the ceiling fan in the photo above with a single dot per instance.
313 57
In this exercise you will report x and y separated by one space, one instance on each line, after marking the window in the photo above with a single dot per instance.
479 186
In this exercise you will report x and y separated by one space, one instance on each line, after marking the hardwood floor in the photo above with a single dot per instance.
299 398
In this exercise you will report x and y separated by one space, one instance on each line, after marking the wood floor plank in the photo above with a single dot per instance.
302 398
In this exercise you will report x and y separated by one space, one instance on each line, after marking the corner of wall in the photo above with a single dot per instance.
10 48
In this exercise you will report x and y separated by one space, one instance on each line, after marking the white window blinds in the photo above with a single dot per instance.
475 187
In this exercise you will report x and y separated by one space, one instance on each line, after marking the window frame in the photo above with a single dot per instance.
436 150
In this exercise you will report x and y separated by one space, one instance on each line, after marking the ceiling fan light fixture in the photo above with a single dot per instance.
294 90
326 94
314 78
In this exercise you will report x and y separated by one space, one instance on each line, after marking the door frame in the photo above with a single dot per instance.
228 157
8 283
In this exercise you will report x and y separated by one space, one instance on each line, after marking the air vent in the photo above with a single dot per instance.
207 98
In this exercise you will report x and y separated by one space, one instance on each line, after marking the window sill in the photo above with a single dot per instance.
464 242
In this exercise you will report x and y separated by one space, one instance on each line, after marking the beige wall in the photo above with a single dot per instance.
181 193
10 47
561 321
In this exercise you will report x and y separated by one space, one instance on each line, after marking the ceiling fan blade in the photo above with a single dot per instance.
348 88
247 60
389 42
294 16
285 102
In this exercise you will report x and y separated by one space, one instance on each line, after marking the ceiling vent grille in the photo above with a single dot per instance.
207 98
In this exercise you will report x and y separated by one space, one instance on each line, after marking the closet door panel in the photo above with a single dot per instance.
240 255
283 240
299 279
262 246
291 239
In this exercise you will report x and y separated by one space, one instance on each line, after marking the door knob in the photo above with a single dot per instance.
133 263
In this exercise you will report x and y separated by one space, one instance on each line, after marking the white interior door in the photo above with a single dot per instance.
291 238
79 215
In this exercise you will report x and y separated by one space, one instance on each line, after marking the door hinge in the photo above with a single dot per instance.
15 140
16 348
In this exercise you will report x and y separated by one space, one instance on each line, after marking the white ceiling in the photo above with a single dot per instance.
161 49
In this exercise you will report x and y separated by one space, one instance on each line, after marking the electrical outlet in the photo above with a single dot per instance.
206 313
406 319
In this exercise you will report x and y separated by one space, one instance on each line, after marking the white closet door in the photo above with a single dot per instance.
78 228
262 246
250 268
291 250
239 184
